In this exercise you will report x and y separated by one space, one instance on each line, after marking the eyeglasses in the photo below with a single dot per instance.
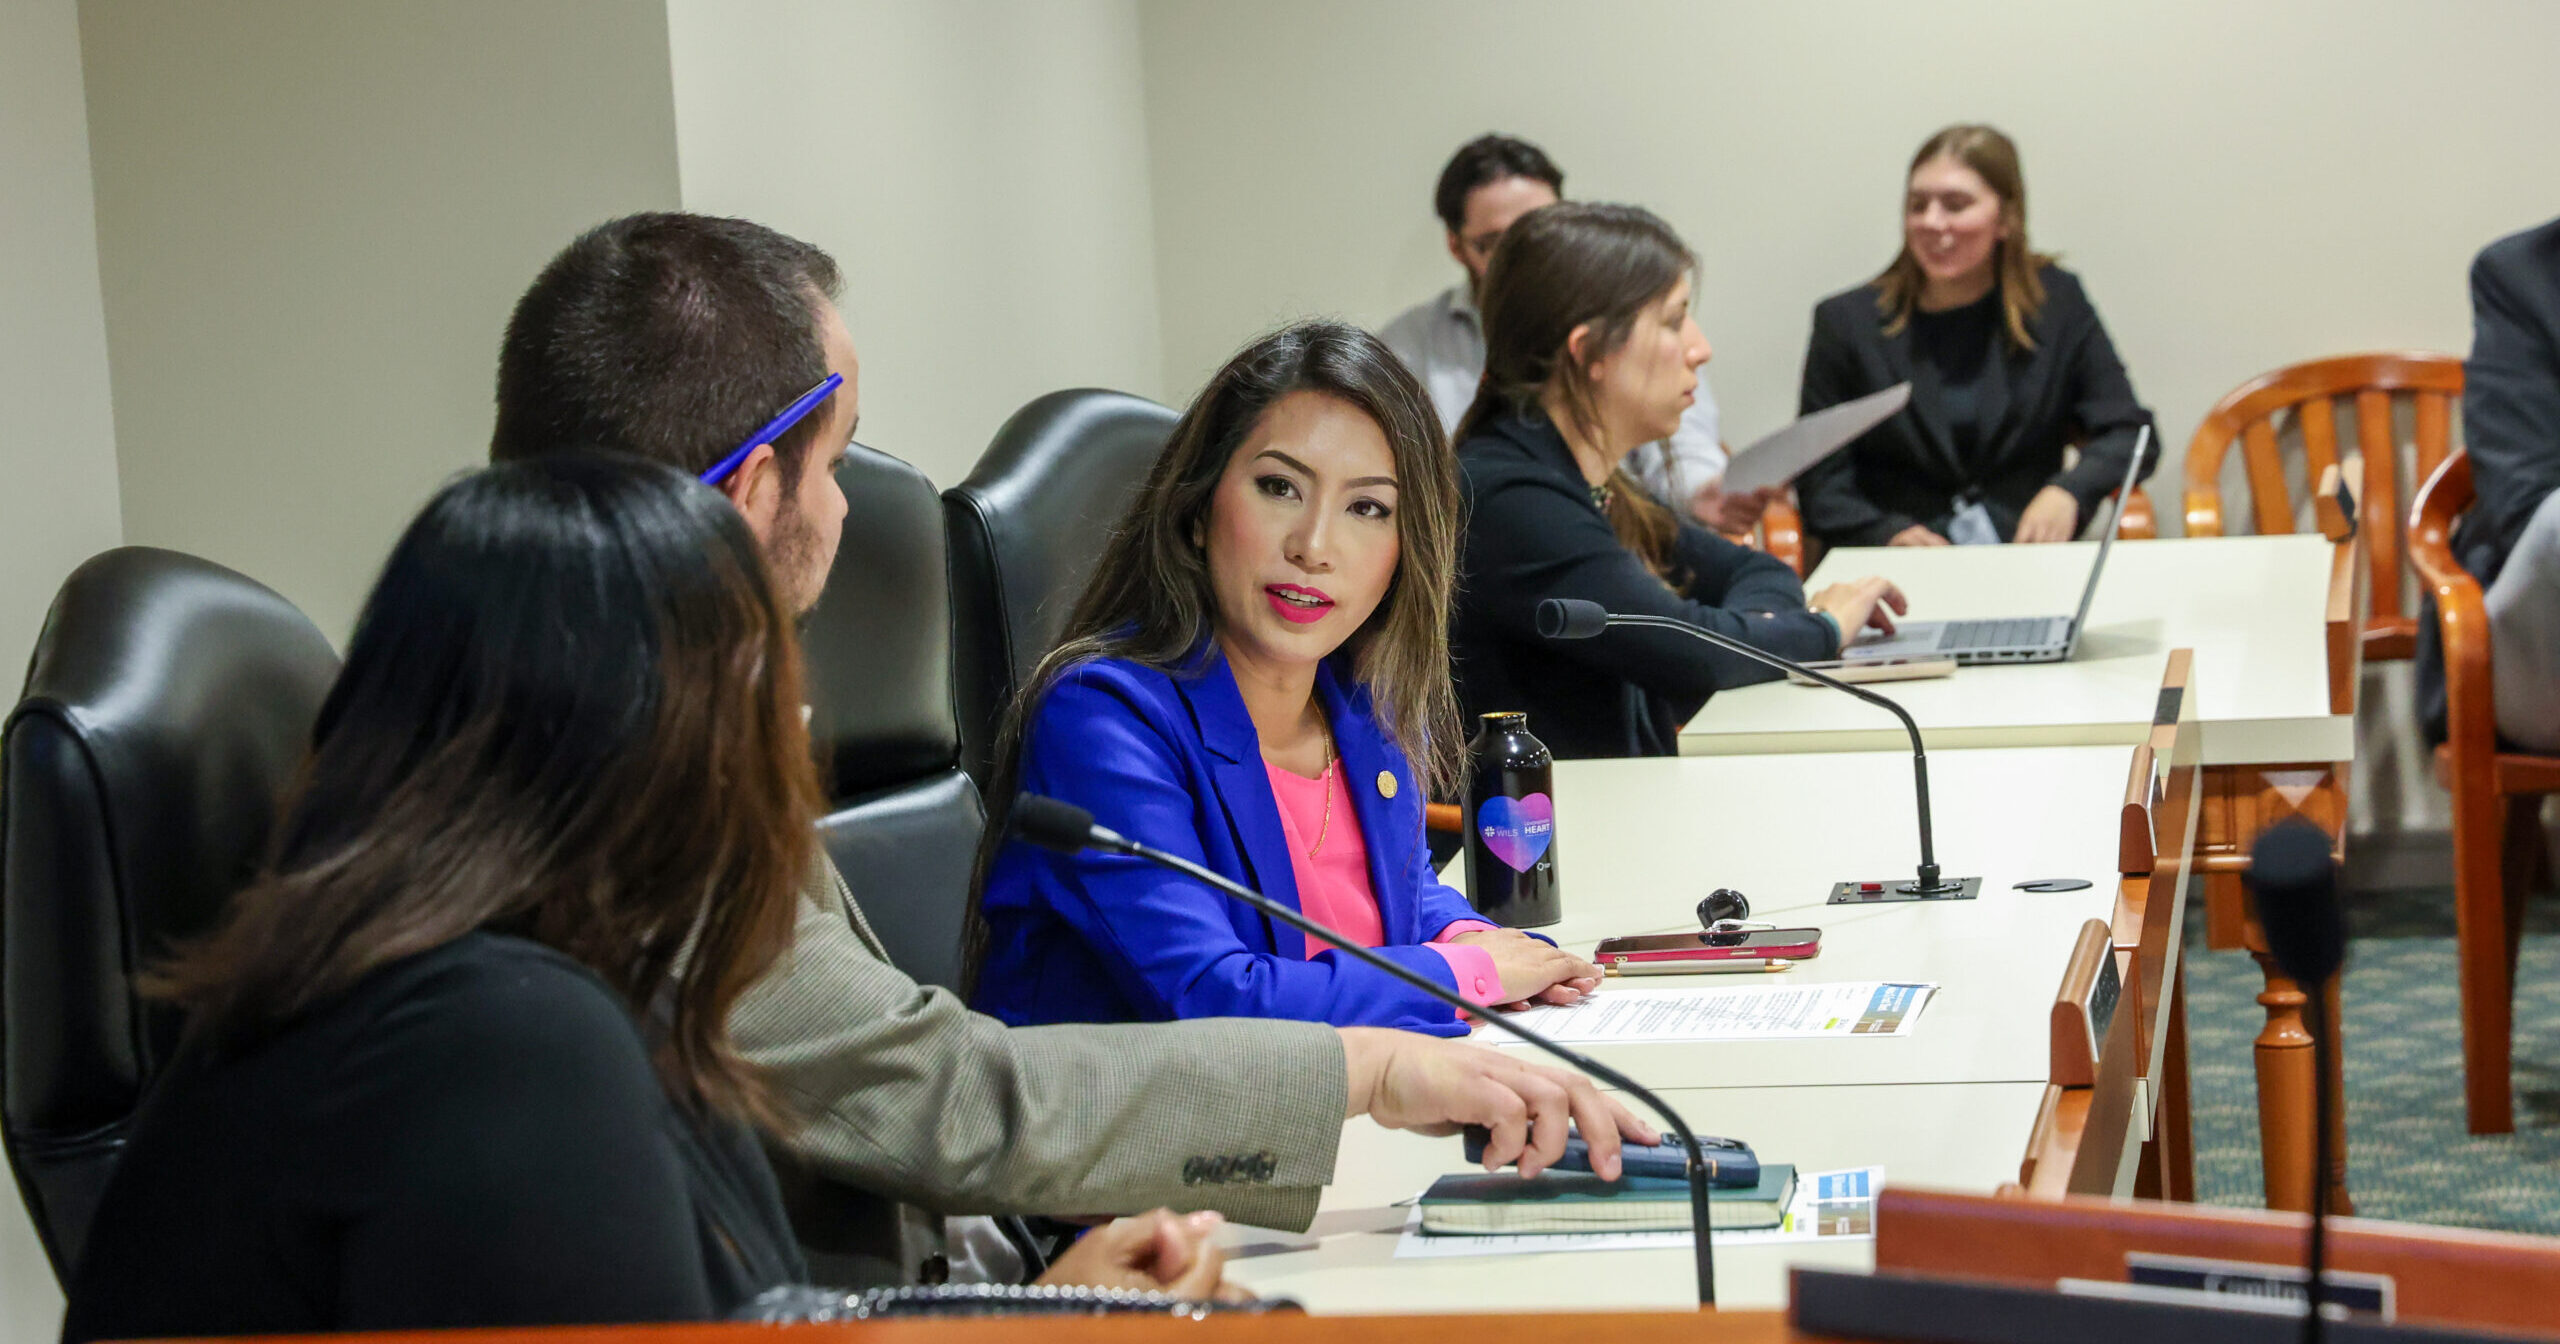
791 415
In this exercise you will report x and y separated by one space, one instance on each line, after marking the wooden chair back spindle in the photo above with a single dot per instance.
2311 392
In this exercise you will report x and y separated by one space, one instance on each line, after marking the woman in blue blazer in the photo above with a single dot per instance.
1257 678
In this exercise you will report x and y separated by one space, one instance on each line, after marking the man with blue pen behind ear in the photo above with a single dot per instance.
714 345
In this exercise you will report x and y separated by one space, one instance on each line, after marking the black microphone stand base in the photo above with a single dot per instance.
1904 889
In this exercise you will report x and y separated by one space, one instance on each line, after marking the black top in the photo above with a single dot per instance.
1533 533
2510 421
1956 345
2030 405
473 1136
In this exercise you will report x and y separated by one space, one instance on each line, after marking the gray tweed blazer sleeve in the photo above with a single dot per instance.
910 1095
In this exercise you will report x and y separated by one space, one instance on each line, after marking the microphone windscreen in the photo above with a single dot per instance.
1051 824
2294 884
1571 618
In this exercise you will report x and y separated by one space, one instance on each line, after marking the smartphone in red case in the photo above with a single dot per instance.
1756 945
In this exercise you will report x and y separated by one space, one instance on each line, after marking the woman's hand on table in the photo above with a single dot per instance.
1159 1252
2053 515
1532 970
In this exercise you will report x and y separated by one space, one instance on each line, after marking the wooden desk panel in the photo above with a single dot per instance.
1661 1327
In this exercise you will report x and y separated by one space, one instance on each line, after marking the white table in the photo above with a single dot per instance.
1951 1106
2273 622
2253 609
1640 842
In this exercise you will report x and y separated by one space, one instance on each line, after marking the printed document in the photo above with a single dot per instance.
1783 456
1741 1013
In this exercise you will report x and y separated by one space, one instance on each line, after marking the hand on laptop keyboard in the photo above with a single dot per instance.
1861 603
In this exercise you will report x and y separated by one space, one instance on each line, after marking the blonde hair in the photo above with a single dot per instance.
1994 158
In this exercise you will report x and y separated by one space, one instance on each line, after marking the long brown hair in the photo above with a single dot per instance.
1149 600
1558 268
570 712
1993 158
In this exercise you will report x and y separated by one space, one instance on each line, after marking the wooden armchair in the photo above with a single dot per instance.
2311 393
2497 796
1781 533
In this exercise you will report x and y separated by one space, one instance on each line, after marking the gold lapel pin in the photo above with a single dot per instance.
1386 783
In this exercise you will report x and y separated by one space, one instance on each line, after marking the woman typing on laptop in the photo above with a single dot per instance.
2008 365
1590 351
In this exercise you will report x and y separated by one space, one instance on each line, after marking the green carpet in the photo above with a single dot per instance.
2408 1155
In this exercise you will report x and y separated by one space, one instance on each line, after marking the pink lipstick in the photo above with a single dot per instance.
1296 604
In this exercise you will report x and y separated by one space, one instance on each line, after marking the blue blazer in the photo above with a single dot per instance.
1173 760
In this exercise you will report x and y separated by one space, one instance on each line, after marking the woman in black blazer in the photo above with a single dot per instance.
1589 352
2007 361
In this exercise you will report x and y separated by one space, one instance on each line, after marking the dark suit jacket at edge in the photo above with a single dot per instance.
1533 533
2510 421
1905 471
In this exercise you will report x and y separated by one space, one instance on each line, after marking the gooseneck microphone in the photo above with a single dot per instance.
1068 829
1573 618
2294 884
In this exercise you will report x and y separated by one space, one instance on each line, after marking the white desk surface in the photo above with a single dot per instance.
1641 841
1967 1137
2253 609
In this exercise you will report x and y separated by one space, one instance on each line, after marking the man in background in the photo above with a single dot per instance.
1491 181
2510 540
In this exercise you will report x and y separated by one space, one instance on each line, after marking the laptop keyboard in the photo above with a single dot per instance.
1995 634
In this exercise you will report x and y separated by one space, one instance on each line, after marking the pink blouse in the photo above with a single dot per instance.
1334 888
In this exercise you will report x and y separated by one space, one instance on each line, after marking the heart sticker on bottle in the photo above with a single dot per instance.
1517 830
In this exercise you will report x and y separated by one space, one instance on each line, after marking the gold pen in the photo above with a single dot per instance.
1733 966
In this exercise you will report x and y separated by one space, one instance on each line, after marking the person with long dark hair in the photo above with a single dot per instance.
2008 363
1590 351
460 1055
1257 678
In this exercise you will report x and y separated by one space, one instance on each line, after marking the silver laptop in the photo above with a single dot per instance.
2012 639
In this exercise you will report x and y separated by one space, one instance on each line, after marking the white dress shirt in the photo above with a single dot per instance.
1442 340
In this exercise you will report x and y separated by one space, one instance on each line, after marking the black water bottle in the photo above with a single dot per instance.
1511 825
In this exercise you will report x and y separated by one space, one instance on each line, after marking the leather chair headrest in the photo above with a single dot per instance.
167 710
1027 527
879 642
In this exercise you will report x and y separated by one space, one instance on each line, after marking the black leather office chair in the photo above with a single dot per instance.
1026 529
167 708
903 820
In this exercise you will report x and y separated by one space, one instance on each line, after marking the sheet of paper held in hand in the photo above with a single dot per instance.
1747 1013
1828 1206
1783 456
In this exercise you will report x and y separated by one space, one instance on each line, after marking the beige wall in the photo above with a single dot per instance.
2242 185
978 168
57 437
312 220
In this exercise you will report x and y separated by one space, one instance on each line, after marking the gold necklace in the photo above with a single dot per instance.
1326 779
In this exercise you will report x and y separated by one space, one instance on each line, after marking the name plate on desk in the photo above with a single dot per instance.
2091 985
